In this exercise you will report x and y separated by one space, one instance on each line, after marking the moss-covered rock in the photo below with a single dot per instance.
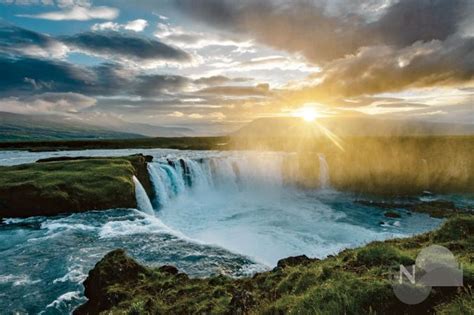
357 281
67 185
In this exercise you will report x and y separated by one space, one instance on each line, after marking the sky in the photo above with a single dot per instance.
215 65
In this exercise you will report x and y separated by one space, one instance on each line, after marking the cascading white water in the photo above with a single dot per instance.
323 172
158 180
175 180
143 202
198 176
252 172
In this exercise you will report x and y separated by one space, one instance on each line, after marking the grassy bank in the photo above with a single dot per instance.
70 185
181 143
356 281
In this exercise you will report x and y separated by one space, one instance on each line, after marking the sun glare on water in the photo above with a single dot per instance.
308 114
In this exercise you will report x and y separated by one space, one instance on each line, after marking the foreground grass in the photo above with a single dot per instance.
68 186
356 281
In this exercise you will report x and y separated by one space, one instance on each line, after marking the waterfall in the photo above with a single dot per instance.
143 202
158 180
176 182
249 172
323 172
197 174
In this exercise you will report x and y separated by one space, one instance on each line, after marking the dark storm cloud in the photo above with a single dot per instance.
25 75
14 37
408 21
154 85
376 70
17 40
309 27
125 45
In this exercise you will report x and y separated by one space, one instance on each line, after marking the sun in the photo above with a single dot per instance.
308 114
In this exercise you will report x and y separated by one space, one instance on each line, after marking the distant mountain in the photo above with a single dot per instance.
116 124
350 126
19 127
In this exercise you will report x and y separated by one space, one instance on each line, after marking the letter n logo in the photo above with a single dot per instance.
405 272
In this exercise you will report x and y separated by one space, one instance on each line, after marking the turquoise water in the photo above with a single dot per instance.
215 212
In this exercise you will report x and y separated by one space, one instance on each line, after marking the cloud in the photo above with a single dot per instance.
47 102
323 33
402 105
16 40
106 26
219 80
77 13
361 47
25 75
383 69
259 90
138 25
153 85
181 37
125 46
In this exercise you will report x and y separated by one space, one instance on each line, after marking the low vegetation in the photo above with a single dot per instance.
67 185
356 281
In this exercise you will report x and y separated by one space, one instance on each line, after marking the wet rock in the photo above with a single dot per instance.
116 268
294 261
391 214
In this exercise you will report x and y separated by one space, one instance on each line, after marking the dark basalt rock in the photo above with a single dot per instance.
172 270
295 261
116 268
141 171
148 158
391 214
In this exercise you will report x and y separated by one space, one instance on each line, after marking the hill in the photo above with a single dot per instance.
351 126
18 127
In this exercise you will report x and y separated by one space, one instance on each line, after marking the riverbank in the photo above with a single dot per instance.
353 282
68 185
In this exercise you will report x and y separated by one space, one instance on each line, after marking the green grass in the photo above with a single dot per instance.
66 186
356 281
